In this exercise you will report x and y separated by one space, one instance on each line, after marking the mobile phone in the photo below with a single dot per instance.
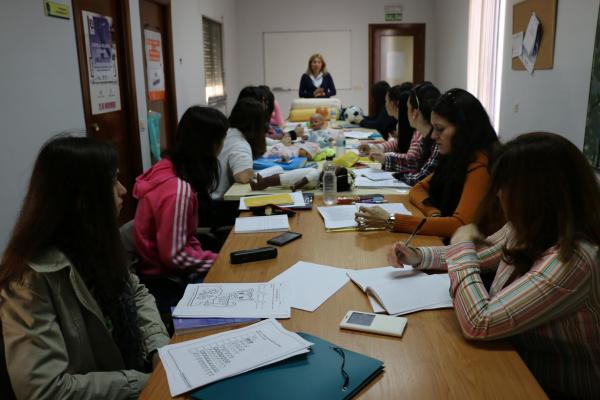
284 238
374 323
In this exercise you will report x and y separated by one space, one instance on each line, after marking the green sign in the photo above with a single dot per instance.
58 10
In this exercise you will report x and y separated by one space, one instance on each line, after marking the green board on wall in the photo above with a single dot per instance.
591 144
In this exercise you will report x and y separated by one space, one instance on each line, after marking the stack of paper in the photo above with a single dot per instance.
294 199
196 363
322 280
235 300
337 217
402 291
364 182
271 223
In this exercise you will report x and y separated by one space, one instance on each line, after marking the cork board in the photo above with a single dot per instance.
546 12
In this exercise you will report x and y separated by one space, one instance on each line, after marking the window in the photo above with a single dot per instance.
214 75
484 71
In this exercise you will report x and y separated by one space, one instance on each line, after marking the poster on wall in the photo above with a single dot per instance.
154 65
101 54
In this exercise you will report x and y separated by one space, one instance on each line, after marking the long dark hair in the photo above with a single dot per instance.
248 116
193 153
378 92
270 97
264 96
473 133
405 132
70 206
552 197
423 97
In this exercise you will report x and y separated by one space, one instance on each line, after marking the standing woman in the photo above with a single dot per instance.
545 296
245 142
451 196
316 81
76 322
174 192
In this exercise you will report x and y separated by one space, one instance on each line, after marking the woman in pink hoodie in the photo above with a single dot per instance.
169 195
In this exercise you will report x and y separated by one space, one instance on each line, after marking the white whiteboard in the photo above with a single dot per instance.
286 57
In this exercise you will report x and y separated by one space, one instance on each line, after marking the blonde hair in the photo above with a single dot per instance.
310 60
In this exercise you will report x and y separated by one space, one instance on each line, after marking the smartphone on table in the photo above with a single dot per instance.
284 238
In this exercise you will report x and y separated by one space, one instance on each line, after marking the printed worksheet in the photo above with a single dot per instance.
235 300
194 363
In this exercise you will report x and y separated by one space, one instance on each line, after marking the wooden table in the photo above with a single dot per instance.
431 361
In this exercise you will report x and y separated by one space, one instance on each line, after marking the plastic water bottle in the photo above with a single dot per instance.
329 182
340 144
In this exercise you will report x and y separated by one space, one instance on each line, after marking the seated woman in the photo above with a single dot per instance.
316 81
171 193
451 196
245 142
381 120
76 323
545 296
416 154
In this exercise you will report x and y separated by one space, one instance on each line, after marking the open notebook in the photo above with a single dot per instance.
403 290
271 223
339 217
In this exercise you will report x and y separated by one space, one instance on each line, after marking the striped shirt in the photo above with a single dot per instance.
398 162
551 313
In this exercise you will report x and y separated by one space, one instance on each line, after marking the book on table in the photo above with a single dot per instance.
400 291
189 325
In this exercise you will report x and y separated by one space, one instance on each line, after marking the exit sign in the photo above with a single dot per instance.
393 13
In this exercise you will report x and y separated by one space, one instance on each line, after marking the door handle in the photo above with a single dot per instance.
95 127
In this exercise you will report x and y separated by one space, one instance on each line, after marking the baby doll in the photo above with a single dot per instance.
286 149
295 179
319 135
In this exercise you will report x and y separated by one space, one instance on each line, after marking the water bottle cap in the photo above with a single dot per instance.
329 158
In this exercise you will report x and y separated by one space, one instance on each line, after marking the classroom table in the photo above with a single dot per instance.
431 361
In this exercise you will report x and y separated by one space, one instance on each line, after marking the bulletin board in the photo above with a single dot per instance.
286 57
546 13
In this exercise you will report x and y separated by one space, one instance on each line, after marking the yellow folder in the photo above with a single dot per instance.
277 199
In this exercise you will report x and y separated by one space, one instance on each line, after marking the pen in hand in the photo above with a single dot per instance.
414 233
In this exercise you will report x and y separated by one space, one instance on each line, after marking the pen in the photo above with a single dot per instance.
417 229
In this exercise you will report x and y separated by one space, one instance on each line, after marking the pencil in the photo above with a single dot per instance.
417 229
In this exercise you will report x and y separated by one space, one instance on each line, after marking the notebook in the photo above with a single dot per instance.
189 325
339 217
277 199
314 375
271 223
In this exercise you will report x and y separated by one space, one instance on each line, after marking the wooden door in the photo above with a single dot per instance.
396 54
155 18
106 70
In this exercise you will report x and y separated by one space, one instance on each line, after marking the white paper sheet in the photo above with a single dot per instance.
371 276
336 217
235 300
297 198
357 134
195 363
271 223
364 182
378 175
531 33
517 44
312 283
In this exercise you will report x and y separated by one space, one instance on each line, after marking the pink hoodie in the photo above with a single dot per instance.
165 222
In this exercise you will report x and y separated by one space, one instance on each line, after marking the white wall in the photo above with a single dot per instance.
257 16
553 100
451 19
188 50
41 95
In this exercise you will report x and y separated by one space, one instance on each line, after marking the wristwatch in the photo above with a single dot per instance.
391 222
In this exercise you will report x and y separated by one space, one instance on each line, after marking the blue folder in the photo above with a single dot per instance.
266 162
314 375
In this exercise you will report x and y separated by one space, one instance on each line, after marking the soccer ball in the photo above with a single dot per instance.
352 113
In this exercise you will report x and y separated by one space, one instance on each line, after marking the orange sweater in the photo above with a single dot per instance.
477 183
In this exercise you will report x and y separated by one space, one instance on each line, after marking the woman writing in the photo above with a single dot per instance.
316 81
174 192
451 196
76 323
414 155
546 292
